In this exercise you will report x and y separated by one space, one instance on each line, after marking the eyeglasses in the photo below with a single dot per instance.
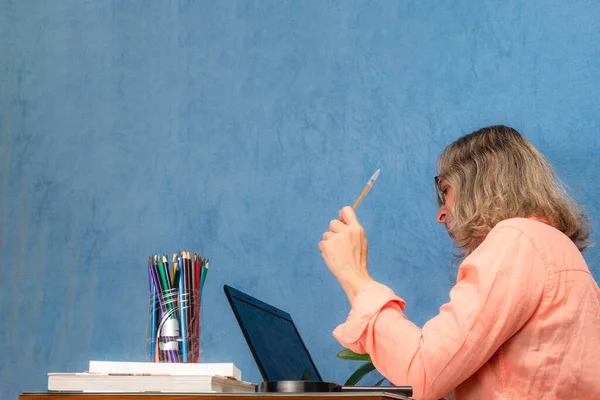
440 194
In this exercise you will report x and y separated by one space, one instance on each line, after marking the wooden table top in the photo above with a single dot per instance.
210 396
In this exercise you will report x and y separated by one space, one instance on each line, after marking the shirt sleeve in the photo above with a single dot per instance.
498 288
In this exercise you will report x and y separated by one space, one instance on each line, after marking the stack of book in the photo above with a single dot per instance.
127 377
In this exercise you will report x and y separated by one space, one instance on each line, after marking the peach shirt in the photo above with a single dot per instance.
523 322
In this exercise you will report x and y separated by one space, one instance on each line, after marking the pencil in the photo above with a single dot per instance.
182 307
366 189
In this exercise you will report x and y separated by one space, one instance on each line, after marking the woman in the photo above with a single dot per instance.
523 320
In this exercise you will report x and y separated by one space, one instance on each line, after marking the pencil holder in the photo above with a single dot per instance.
174 308
168 339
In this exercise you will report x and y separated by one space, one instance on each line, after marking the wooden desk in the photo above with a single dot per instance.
211 396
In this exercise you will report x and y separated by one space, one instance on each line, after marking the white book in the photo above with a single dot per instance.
135 383
125 367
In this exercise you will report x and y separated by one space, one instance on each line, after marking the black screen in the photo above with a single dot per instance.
274 341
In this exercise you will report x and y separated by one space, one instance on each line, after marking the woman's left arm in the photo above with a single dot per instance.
499 287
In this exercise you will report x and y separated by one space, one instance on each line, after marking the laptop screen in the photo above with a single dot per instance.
273 339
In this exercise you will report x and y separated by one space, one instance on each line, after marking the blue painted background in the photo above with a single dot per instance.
238 129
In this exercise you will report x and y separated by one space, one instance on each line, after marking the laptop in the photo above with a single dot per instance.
278 348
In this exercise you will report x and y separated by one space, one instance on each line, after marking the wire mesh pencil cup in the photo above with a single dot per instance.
173 329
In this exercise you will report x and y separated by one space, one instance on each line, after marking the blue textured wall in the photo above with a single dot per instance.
238 129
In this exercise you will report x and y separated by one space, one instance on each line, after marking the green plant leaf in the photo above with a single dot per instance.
380 382
350 355
360 373
305 376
